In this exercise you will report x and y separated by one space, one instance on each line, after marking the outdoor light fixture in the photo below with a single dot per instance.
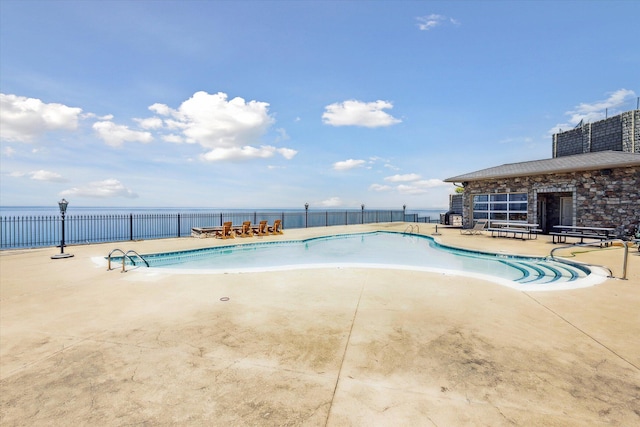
62 204
362 207
306 215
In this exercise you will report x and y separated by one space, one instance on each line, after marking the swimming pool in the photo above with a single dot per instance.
379 249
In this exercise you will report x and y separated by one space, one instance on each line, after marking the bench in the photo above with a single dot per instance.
202 232
505 231
561 236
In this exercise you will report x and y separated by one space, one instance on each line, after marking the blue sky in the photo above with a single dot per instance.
271 104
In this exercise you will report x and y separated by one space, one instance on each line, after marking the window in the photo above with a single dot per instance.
500 207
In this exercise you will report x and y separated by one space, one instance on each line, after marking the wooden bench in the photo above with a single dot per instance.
202 232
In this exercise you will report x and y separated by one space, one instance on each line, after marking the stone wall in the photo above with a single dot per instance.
601 198
618 133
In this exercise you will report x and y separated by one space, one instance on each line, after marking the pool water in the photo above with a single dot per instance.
374 250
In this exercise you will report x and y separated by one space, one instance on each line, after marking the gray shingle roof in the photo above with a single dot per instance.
577 162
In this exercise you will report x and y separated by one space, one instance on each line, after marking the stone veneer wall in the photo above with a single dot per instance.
602 198
618 133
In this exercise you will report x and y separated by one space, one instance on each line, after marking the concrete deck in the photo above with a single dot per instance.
325 347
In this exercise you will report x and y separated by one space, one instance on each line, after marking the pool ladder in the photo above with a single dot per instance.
125 255
410 228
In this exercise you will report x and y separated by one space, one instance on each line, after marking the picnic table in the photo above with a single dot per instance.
514 229
598 233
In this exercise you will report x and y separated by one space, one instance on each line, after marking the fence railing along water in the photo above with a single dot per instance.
41 231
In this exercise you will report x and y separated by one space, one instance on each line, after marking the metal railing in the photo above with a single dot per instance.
125 256
607 243
41 231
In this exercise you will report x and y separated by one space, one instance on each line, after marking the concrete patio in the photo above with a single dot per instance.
322 347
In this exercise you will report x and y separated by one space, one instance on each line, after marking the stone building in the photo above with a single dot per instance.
592 180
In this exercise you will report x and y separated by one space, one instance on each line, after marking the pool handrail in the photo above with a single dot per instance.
410 228
124 256
606 242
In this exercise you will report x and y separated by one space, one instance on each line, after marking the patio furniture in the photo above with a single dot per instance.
522 230
596 233
244 230
478 228
276 228
226 232
260 229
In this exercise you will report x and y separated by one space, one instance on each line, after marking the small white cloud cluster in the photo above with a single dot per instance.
348 164
101 189
408 184
116 135
585 113
358 113
429 22
24 119
228 129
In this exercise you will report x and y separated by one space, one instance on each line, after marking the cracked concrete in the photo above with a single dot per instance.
325 347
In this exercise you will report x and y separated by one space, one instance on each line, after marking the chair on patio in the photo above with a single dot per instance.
244 230
478 228
275 229
260 229
225 232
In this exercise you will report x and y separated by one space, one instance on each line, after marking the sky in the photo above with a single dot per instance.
274 104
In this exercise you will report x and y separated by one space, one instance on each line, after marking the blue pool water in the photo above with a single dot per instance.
375 250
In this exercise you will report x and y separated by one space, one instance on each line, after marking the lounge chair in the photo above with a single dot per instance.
478 228
225 232
275 229
260 229
244 230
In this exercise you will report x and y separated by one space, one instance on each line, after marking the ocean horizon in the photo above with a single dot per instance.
21 211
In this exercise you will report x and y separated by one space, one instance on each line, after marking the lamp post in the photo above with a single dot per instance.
62 204
404 212
306 215
362 207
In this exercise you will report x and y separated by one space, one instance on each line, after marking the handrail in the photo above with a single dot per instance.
124 256
624 261
410 228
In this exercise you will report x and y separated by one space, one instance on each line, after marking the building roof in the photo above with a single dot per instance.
577 162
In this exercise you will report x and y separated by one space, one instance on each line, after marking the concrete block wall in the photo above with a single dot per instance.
618 133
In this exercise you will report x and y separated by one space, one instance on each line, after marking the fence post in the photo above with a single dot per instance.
178 225
131 226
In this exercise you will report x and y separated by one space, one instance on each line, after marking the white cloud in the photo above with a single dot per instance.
408 184
23 119
282 135
239 153
380 187
108 188
43 175
403 178
150 123
177 139
429 22
348 164
595 111
9 151
287 153
228 129
358 113
115 135
331 202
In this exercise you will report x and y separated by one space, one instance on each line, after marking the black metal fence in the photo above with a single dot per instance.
41 231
